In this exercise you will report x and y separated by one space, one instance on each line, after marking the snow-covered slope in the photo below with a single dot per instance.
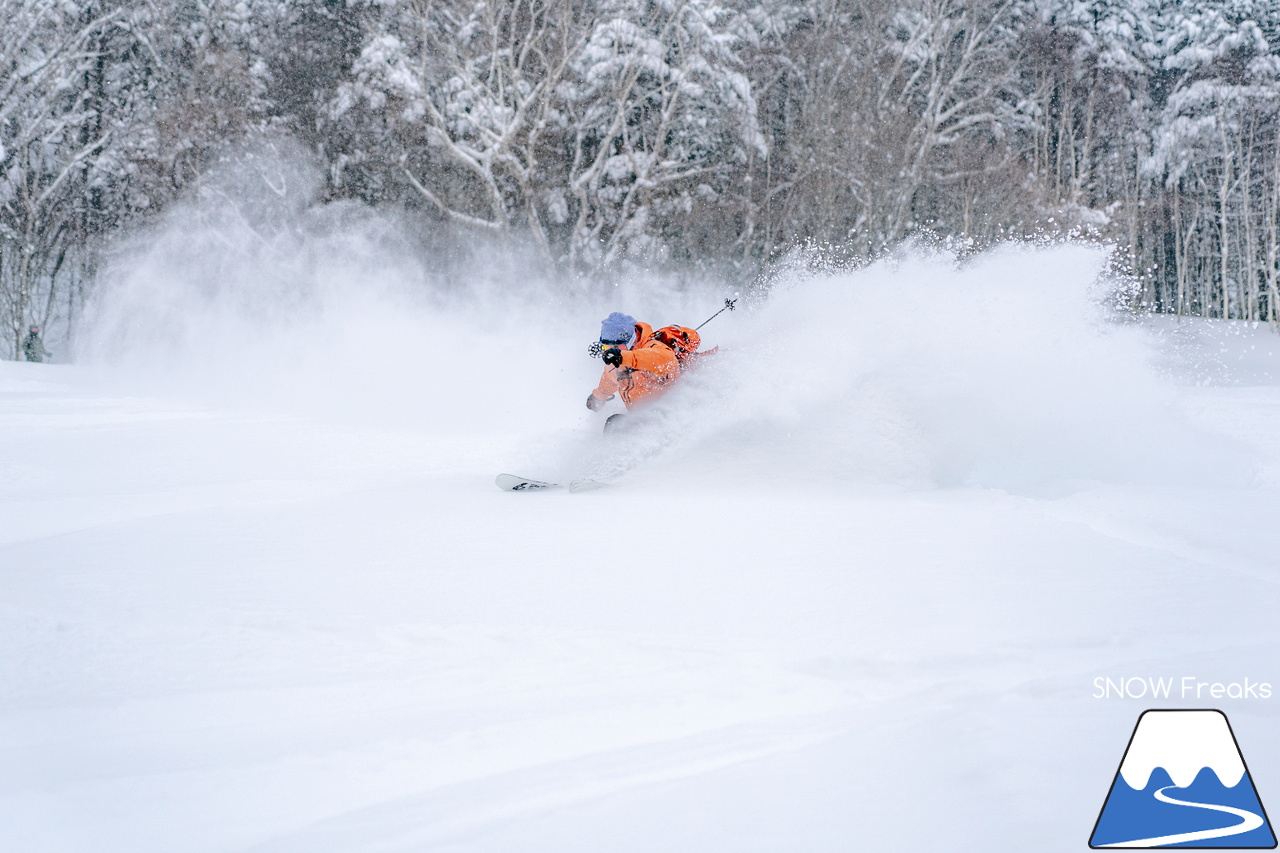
850 589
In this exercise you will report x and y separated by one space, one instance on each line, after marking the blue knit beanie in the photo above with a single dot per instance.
618 328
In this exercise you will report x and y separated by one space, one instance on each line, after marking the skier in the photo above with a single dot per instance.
33 347
638 366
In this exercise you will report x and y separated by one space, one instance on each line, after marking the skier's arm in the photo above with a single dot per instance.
659 360
605 390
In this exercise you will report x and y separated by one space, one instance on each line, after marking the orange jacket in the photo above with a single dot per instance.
648 368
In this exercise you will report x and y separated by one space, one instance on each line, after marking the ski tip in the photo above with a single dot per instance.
512 483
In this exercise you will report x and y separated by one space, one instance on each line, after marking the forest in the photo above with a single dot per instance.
708 138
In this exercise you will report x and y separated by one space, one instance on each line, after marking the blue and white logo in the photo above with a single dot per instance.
1183 783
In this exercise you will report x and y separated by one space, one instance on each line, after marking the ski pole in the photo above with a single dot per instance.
728 306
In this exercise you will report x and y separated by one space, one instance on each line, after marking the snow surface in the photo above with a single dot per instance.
850 589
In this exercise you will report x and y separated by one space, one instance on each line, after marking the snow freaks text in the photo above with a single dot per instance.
1186 687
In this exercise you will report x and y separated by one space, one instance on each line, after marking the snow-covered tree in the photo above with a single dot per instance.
591 128
898 108
64 127
714 133
1214 150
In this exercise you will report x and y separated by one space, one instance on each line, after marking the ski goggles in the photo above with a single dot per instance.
597 349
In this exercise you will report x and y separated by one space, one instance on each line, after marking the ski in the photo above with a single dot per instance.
512 483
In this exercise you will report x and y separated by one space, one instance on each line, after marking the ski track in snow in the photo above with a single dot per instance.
854 597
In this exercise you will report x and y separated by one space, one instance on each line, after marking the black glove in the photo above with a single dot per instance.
612 357
593 403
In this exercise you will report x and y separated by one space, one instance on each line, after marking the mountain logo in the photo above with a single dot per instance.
1183 783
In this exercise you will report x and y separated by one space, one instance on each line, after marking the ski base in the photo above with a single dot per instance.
512 483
